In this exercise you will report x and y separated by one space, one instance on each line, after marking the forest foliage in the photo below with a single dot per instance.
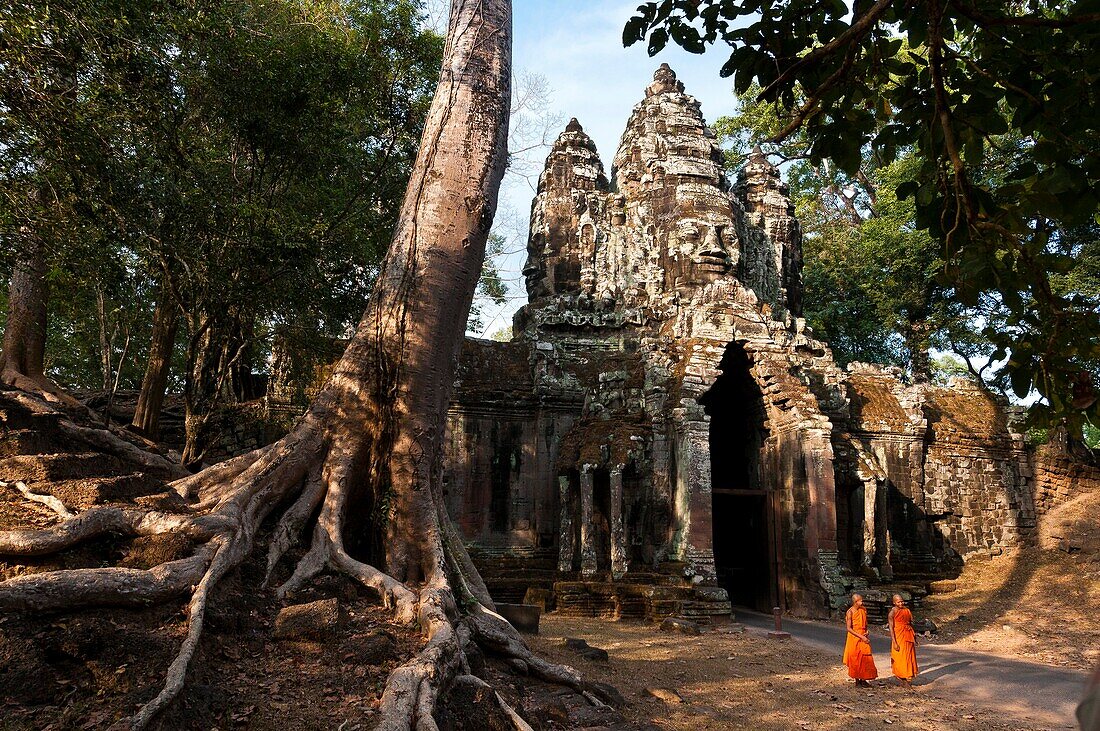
239 161
981 117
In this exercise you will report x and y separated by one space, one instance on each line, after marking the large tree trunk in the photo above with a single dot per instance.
28 295
366 458
22 361
153 384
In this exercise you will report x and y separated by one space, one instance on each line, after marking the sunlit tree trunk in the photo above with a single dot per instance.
366 458
155 382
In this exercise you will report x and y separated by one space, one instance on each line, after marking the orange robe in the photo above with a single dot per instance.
857 653
904 658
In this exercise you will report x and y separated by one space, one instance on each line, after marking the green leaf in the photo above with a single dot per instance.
657 40
634 31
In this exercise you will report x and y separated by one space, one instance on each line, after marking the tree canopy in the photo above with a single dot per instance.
996 103
242 159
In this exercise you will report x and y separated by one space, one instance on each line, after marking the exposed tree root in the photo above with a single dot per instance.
49 501
55 590
238 496
38 385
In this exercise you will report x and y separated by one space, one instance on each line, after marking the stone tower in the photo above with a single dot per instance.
663 428
669 225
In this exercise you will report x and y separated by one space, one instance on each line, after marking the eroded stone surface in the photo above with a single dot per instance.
663 426
313 621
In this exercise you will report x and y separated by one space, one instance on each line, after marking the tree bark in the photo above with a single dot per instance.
28 295
104 339
153 384
366 458
917 333
22 359
200 388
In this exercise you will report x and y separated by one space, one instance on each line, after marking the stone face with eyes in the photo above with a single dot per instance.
696 254
667 227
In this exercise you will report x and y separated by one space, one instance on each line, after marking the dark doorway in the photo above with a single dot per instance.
735 406
743 510
742 549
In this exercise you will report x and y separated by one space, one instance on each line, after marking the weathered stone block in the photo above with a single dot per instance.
524 617
542 598
313 621
683 626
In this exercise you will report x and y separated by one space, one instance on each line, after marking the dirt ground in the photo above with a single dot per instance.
1036 604
743 680
87 669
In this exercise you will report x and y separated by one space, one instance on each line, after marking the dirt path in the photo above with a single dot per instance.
1006 684
746 680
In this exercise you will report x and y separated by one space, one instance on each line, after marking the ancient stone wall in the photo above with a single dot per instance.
978 475
930 475
239 428
502 445
1060 477
663 415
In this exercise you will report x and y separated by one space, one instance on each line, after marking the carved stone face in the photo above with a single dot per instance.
697 254
534 270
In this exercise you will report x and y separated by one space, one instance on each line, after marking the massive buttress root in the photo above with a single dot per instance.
373 436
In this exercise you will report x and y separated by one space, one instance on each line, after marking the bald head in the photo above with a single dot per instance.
857 599
898 601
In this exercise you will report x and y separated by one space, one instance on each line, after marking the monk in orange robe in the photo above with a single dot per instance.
903 642
857 648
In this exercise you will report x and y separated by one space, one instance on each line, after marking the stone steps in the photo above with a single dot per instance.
32 468
34 450
22 418
639 601
16 442
80 494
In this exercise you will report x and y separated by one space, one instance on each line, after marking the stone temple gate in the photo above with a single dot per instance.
663 429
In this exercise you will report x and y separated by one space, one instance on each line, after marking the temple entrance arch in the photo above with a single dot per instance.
744 511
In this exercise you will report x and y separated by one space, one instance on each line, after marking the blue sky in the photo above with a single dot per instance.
576 45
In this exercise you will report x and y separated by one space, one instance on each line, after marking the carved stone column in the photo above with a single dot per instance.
565 534
870 535
618 535
588 548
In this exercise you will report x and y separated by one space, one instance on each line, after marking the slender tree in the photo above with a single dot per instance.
155 381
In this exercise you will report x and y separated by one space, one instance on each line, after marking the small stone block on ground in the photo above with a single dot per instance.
683 626
664 694
588 652
541 598
313 621
524 617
